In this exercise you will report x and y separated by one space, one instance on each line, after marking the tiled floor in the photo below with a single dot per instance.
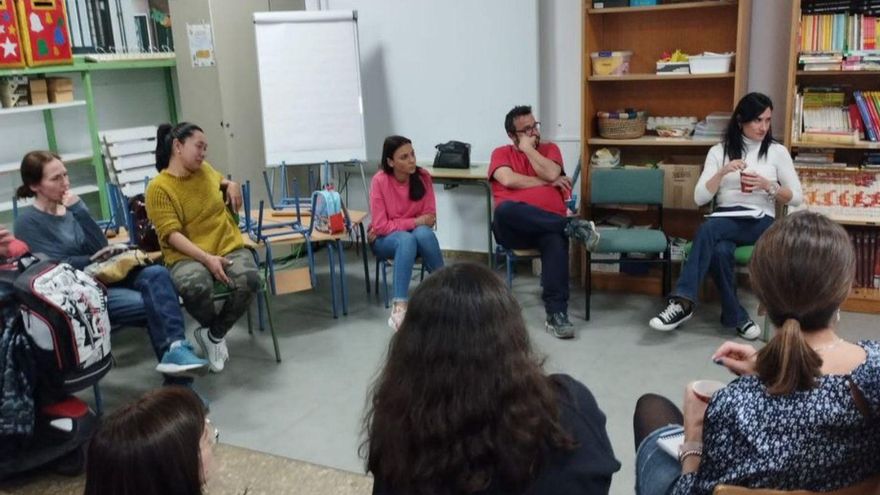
310 406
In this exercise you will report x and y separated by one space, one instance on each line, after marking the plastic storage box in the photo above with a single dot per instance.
608 63
710 63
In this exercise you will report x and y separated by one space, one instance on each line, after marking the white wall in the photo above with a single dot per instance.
768 57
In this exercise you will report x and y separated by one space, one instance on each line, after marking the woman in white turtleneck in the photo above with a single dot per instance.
747 171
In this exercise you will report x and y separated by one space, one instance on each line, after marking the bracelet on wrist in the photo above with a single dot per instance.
688 449
773 190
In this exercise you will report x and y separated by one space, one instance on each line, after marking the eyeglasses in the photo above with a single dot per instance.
530 129
212 431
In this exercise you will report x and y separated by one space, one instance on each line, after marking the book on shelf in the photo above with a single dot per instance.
866 243
835 31
841 193
827 137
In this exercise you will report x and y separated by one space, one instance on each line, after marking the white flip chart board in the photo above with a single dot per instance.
310 86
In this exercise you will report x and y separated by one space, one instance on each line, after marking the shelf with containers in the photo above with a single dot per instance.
847 188
86 166
648 31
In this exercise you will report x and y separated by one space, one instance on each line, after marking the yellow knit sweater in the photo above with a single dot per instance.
194 207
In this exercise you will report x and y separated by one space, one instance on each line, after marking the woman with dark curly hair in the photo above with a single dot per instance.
463 404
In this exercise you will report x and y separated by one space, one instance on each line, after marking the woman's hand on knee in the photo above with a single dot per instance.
217 266
738 358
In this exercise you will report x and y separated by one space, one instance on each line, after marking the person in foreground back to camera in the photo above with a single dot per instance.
748 172
160 444
404 214
529 187
463 405
804 414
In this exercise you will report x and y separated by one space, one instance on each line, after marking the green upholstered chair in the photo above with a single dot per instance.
622 186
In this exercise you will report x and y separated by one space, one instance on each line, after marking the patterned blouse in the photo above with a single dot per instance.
813 440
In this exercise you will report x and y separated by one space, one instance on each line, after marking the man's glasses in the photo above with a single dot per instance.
530 129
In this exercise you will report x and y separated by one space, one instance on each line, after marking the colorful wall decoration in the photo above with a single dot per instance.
44 32
11 53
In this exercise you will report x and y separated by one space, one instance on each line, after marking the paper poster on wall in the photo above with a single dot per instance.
201 45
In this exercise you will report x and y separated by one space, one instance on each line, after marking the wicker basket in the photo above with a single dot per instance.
626 124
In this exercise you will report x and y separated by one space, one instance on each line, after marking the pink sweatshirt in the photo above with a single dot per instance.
390 207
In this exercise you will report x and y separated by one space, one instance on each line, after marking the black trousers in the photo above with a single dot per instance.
519 225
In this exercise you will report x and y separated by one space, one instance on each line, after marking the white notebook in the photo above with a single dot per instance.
670 442
746 212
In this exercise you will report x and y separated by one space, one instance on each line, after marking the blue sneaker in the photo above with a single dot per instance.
181 360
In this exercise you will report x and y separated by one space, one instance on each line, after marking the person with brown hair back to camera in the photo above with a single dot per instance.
803 415
464 406
160 444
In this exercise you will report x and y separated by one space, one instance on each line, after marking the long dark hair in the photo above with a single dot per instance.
165 137
389 147
463 401
149 447
32 171
749 108
802 270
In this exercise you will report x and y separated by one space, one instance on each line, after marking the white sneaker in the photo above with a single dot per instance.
216 354
396 318
749 330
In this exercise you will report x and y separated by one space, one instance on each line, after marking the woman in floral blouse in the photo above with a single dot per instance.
805 414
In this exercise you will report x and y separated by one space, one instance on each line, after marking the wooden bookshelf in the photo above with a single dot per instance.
863 300
694 27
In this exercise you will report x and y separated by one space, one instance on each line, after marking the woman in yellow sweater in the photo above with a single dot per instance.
198 235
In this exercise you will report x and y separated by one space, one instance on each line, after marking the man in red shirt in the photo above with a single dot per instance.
530 187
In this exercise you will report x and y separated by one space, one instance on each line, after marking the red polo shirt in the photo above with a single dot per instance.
545 197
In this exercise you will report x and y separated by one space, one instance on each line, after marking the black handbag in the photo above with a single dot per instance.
453 154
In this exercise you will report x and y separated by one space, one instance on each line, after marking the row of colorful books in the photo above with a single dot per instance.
868 107
839 33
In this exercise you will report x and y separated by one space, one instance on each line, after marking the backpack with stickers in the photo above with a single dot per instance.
65 315
328 213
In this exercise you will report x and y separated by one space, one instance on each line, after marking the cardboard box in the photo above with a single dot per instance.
60 96
55 84
680 176
38 90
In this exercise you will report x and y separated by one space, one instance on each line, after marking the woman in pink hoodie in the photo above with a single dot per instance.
403 214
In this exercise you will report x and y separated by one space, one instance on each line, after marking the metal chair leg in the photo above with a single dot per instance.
340 254
385 282
364 255
99 400
333 302
271 325
509 263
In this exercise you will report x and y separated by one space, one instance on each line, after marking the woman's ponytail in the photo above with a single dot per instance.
163 146
787 363
801 271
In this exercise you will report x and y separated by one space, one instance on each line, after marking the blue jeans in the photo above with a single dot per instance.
712 251
656 471
147 298
519 225
404 247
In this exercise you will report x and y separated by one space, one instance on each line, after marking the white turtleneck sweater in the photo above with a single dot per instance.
776 166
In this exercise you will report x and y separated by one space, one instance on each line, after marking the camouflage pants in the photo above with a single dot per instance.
196 286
